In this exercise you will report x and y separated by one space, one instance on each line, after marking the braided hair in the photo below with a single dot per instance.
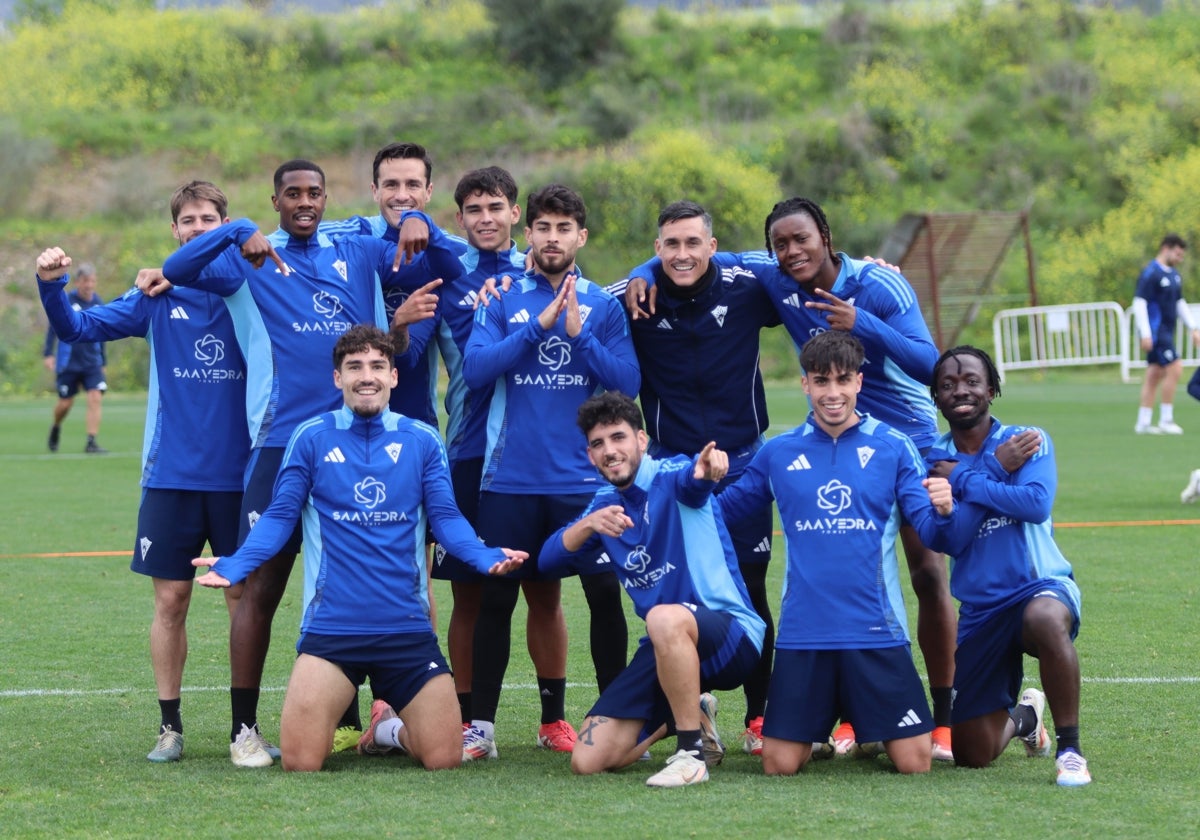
791 207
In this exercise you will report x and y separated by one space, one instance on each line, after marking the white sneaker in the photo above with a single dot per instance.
1146 429
823 750
1192 490
714 748
683 768
476 745
249 749
1169 428
1072 770
1037 742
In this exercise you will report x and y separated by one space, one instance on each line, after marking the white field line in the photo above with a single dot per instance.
92 692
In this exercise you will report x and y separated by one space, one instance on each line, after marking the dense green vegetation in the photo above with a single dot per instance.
1089 116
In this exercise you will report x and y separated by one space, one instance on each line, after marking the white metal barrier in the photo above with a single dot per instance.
1077 334
1135 359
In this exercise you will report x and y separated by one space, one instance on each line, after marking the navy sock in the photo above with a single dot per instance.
170 714
464 705
244 703
1068 738
941 704
689 740
553 692
1025 718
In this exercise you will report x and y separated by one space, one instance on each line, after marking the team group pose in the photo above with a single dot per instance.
324 435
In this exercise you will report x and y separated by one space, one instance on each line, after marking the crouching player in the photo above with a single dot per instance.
365 481
673 555
841 481
1017 591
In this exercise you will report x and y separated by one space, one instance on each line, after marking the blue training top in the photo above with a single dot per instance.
677 552
365 489
541 378
840 503
196 437
287 325
1003 549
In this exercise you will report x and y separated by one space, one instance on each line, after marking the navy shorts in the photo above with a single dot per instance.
465 477
1163 352
398 664
261 473
524 523
174 525
727 657
71 382
878 689
989 664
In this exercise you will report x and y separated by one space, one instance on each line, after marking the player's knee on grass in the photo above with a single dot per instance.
784 758
911 755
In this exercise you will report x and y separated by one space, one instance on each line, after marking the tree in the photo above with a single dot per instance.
557 40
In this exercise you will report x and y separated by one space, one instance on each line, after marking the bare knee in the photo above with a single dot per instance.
444 757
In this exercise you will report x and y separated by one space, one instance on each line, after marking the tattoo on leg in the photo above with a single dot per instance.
586 735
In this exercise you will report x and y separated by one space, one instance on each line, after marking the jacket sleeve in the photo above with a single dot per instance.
491 351
751 491
555 561
450 527
608 349
211 261
128 315
440 259
890 317
1026 495
271 532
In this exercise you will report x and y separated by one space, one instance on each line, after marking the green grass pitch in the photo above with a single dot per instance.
78 711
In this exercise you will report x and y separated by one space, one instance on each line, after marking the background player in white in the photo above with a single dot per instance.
366 481
1157 302
1017 591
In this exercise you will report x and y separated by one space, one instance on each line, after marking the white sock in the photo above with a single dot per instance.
387 732
1166 413
487 727
1145 415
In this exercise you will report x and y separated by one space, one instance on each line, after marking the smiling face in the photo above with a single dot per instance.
401 185
833 394
686 247
195 218
300 202
802 252
366 379
962 392
488 219
616 450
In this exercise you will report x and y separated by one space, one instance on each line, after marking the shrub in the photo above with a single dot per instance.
556 40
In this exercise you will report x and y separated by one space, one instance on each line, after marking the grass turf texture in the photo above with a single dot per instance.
78 711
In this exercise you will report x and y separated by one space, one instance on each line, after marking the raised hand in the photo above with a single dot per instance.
257 250
840 313
712 463
413 239
52 264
